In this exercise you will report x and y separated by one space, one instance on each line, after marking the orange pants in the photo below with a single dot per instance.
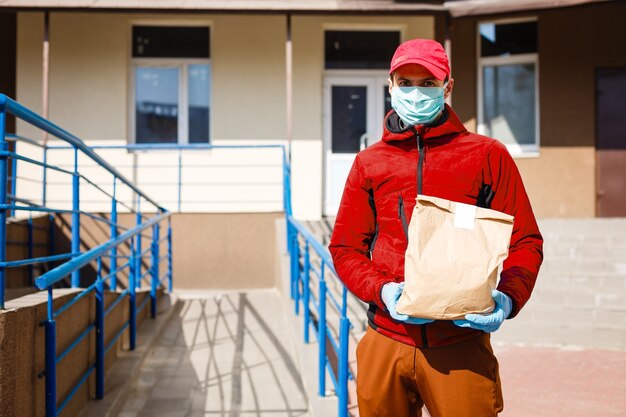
397 380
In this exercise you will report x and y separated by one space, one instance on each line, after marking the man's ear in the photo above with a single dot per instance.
448 90
390 82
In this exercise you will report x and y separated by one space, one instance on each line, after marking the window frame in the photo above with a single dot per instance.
516 150
183 83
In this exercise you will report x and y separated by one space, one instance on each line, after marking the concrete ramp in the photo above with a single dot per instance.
227 354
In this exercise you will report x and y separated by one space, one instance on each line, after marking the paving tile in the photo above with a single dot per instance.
545 382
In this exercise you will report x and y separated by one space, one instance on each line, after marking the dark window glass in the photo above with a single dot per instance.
359 49
508 39
349 118
199 85
156 105
170 42
509 103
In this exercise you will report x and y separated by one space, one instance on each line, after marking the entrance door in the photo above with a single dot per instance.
354 108
611 141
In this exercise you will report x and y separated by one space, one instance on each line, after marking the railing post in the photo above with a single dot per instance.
344 331
14 177
169 254
75 218
99 333
287 195
307 292
289 228
139 258
321 331
132 290
295 272
3 198
113 260
51 359
155 270
343 366
292 271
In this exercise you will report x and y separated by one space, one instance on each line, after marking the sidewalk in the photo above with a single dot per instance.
550 382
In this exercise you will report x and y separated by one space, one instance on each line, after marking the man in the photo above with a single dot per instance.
404 362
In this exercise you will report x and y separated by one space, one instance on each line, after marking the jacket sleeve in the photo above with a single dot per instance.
521 267
352 234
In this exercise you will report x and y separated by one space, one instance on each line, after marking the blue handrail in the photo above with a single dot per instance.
12 203
144 147
302 294
27 115
57 274
302 245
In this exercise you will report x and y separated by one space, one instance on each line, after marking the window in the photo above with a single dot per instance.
171 74
508 107
362 49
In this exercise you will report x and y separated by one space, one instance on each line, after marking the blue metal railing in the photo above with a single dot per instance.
309 279
177 167
139 266
309 289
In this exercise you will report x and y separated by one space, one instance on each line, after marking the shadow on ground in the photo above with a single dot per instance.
221 355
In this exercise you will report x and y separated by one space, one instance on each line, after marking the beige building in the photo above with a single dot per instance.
312 76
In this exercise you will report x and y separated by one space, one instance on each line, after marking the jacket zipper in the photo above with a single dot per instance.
402 217
420 166
420 162
371 249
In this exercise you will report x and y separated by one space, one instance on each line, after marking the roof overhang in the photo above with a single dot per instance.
460 8
456 8
256 6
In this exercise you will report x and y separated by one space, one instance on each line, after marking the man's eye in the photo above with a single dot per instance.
428 84
404 84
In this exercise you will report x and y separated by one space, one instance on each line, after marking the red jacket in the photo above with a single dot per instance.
378 202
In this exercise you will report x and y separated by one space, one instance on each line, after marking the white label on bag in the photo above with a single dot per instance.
464 216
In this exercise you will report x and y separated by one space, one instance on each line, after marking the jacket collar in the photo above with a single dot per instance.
394 129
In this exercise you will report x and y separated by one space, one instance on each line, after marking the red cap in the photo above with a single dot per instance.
425 52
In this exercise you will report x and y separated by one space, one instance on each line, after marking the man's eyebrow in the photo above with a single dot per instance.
421 80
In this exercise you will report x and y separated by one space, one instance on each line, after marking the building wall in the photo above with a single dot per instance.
573 42
224 251
22 350
90 82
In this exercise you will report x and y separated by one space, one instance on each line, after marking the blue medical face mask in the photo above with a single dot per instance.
418 105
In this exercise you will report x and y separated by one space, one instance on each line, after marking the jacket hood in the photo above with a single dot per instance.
395 130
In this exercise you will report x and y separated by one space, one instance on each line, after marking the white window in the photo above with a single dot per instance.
508 91
171 84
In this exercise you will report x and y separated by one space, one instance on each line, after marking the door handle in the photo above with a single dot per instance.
363 141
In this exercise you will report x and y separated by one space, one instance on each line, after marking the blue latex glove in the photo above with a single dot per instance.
390 294
489 322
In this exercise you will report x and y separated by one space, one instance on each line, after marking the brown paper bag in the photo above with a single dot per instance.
452 259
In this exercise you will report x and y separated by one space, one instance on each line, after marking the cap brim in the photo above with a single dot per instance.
436 71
